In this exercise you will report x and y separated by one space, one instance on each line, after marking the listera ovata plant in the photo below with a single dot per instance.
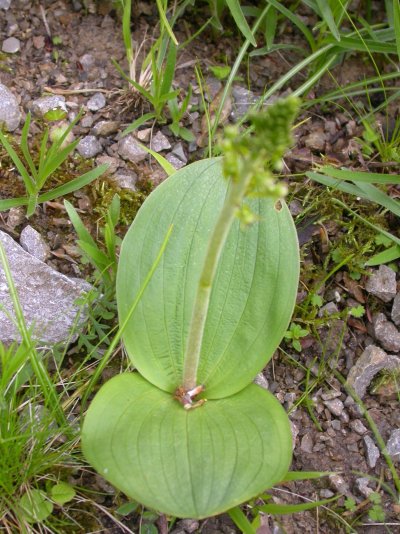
189 434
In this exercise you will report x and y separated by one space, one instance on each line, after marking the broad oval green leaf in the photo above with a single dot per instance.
253 293
186 463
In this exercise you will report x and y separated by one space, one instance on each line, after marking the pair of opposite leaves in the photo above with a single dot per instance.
199 462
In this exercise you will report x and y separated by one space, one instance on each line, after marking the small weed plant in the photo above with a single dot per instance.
35 175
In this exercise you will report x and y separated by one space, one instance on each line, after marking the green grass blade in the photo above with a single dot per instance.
374 194
386 256
165 164
360 176
25 147
327 15
43 152
396 24
73 185
126 30
296 21
18 163
32 203
137 123
81 230
241 22
165 23
241 520
335 184
284 509
169 71
306 475
53 161
100 260
9 203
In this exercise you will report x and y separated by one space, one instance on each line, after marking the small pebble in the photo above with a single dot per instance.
31 241
358 427
89 146
362 486
125 180
96 102
105 128
113 163
307 444
144 135
179 152
87 61
159 142
129 149
5 4
382 283
386 333
41 106
393 445
335 406
371 450
396 310
261 381
10 114
175 162
12 45
87 121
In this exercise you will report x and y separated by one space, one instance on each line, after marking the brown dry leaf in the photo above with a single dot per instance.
354 288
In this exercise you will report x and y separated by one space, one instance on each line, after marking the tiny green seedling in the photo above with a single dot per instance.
211 316
35 176
294 334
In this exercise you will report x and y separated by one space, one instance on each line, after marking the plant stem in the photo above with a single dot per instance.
232 204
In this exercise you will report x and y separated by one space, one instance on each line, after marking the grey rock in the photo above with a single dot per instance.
358 427
393 445
5 4
340 485
175 162
372 451
326 493
125 180
382 283
12 45
396 310
129 149
362 486
96 102
336 425
371 361
330 395
307 443
179 152
46 103
48 298
295 432
87 121
243 99
113 163
386 333
89 146
10 114
105 128
335 406
87 61
159 142
329 308
212 86
31 241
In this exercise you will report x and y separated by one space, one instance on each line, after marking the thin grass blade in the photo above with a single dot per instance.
241 22
73 185
25 147
18 163
328 17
